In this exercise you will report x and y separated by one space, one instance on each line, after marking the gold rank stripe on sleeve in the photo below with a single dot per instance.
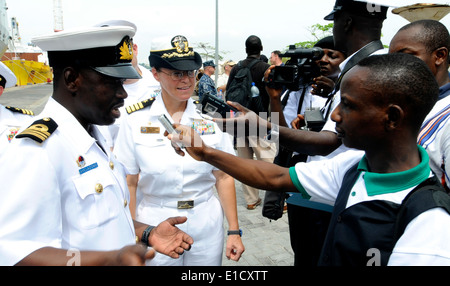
20 110
40 130
140 105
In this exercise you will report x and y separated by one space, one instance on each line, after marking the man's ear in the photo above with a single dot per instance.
394 117
71 79
441 56
348 24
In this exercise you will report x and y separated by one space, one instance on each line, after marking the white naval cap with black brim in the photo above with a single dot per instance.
174 54
107 50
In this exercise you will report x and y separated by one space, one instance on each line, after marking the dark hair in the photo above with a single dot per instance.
276 52
253 45
433 34
326 43
404 80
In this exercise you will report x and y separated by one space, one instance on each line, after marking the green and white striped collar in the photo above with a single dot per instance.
379 184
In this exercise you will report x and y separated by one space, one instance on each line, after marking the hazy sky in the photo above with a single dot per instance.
278 23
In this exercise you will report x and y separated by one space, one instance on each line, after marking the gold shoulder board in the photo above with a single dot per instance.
140 105
40 130
20 110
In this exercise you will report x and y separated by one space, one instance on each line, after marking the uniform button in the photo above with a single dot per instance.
125 203
111 165
99 188
339 219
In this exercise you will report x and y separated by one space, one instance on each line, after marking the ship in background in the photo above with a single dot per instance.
27 62
4 32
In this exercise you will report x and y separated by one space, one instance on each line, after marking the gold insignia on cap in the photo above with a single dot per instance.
181 48
181 44
126 50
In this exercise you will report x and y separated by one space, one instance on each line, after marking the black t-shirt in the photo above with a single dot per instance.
257 72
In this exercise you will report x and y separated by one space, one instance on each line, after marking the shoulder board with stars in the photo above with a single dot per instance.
140 105
40 130
20 110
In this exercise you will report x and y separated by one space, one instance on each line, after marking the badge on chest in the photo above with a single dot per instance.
150 130
203 127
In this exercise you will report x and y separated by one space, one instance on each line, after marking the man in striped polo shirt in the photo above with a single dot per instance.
429 40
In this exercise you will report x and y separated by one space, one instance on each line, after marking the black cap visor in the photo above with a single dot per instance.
181 64
123 70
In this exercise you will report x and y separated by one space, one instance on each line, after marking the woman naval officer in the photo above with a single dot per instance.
160 182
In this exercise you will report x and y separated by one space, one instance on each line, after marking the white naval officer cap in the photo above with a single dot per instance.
116 22
107 49
7 77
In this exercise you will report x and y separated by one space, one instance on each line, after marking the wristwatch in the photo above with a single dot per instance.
235 232
146 234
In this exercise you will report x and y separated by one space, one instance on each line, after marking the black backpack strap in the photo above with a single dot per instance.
427 195
363 53
249 66
349 180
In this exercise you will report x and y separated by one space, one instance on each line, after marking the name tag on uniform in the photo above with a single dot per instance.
150 130
88 168
203 127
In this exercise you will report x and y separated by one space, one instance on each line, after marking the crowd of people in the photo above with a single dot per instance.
96 171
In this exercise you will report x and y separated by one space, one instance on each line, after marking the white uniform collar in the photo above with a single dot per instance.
189 113
68 125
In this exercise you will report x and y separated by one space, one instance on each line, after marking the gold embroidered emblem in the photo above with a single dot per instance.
40 130
181 44
126 51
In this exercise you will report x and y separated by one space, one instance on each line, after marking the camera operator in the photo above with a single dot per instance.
357 32
307 244
355 29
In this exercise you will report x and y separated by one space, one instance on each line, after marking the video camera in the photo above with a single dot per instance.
212 105
301 67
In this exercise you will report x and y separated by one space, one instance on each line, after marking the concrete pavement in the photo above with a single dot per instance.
31 97
267 242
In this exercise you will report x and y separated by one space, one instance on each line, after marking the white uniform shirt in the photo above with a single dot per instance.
425 240
145 88
166 178
290 111
10 123
50 193
164 175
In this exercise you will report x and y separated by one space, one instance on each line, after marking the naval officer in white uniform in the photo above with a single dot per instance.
65 190
164 183
11 118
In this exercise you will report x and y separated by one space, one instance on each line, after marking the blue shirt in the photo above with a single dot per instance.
444 91
206 85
